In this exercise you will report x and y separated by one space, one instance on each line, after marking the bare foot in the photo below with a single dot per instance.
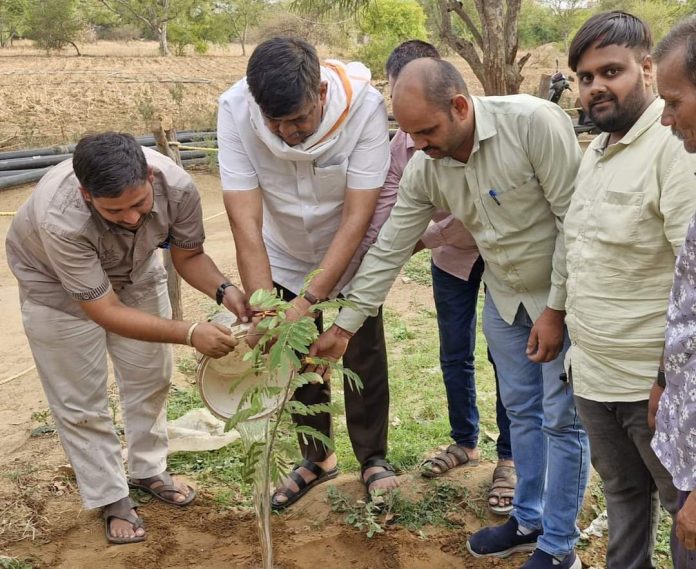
280 496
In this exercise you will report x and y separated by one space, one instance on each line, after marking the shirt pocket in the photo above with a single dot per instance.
618 216
330 181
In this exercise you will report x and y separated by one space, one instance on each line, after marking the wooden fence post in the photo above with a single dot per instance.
163 130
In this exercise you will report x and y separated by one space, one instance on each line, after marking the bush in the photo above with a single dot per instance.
53 24
386 24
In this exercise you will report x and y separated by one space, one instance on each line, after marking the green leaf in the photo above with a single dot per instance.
314 434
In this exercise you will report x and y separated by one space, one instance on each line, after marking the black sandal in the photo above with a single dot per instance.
302 485
388 472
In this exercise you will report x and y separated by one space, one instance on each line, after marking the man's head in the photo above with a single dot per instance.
284 77
114 177
675 56
431 103
405 53
611 56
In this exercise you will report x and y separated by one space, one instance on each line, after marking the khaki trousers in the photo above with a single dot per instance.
71 359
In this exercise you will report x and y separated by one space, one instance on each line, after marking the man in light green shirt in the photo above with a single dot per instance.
504 166
626 222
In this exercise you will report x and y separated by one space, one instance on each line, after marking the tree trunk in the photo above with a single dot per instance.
493 51
163 43
242 39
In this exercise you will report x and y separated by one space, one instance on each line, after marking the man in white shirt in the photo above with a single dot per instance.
304 151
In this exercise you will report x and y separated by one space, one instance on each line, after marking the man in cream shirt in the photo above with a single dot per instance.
503 166
626 222
304 151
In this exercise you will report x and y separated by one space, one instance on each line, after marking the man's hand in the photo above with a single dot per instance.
686 523
213 339
654 401
331 344
235 301
546 338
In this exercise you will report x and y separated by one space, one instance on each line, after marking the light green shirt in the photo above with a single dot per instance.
511 195
625 225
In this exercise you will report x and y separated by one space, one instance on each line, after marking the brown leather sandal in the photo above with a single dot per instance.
453 456
121 510
503 486
159 491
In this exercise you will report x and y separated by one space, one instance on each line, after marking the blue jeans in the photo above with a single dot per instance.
455 302
549 444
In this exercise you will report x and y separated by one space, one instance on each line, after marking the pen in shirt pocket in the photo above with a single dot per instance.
494 195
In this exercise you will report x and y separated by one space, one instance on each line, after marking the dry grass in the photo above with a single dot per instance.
47 100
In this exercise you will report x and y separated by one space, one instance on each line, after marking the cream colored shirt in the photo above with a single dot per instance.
511 195
626 223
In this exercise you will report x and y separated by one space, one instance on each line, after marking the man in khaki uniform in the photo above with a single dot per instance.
84 248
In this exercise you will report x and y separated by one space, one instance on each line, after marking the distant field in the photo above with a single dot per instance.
54 99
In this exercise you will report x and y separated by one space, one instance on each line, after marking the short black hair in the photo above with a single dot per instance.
610 28
108 163
283 74
407 52
683 34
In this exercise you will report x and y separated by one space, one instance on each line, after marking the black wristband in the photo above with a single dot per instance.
660 379
309 297
220 292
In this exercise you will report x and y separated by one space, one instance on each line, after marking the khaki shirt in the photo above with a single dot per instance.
512 196
625 225
62 251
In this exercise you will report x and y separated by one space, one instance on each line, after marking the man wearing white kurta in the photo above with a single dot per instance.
304 151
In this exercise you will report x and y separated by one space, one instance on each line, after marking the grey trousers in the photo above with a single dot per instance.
71 359
682 557
635 482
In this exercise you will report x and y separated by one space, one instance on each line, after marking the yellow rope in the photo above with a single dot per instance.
7 213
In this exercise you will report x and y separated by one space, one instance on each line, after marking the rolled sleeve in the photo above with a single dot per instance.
369 161
186 230
236 170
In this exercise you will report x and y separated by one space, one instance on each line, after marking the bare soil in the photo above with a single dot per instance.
53 100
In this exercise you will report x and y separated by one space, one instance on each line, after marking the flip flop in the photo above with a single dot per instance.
302 485
121 510
167 485
452 457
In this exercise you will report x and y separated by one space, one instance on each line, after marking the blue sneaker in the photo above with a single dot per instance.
502 541
542 560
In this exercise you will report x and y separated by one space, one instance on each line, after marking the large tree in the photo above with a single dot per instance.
486 37
483 32
53 24
155 15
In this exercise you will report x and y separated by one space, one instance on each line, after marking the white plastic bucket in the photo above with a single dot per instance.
222 382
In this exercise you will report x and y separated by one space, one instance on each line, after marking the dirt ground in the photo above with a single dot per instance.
53 100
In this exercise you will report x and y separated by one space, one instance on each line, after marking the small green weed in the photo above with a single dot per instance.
182 401
362 515
187 365
14 563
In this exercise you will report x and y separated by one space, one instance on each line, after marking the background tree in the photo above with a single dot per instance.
483 32
155 15
11 20
53 24
567 17
383 26
233 19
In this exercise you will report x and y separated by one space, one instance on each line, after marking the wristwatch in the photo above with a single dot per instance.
220 292
309 297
